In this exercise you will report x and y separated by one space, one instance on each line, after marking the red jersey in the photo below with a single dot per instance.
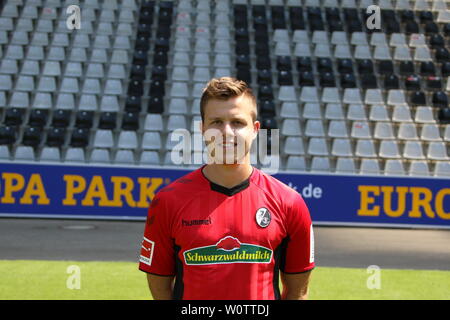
227 243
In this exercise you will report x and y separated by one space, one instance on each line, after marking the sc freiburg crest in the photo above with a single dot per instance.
263 217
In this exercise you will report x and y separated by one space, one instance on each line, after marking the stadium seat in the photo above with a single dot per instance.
291 127
8 135
293 146
407 131
149 158
369 167
394 167
151 141
101 156
401 114
130 121
84 119
360 130
103 139
334 111
55 137
379 113
447 133
14 116
124 157
127 140
345 166
413 150
442 169
318 147
32 136
437 151
424 115
107 120
296 163
419 168
320 164
356 112
4 153
153 122
24 153
341 148
389 149
50 154
289 110
365 148
314 128
312 111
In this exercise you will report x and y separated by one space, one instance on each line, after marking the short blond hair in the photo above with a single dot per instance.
223 89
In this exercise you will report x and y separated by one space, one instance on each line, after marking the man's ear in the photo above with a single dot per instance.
256 127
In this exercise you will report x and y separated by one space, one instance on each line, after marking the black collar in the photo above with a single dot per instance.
229 191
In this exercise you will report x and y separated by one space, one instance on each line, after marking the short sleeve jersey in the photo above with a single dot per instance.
227 243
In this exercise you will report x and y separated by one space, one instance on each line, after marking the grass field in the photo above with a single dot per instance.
30 279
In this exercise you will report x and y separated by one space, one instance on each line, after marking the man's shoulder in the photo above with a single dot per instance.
283 194
183 186
275 187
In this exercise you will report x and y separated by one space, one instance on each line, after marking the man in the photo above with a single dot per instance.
225 230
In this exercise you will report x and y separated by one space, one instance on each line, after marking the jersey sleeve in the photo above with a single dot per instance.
299 250
157 249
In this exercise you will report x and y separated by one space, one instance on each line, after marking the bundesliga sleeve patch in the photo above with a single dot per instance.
311 244
147 249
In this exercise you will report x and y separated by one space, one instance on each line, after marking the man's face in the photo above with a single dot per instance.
228 129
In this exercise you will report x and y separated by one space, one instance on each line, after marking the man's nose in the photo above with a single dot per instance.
227 130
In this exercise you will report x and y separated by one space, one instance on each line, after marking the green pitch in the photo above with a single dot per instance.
30 279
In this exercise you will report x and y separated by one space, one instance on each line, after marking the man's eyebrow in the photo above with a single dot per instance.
208 119
236 117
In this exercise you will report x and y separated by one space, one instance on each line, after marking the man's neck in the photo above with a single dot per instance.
229 175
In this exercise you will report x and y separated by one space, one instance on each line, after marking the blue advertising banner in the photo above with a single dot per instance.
111 192
378 200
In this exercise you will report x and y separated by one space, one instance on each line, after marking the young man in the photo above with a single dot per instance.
226 230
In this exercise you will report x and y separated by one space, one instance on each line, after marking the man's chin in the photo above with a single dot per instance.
229 162
230 165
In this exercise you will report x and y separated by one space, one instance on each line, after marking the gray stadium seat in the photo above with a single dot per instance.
50 154
419 168
75 155
101 156
124 157
296 163
394 167
369 166
345 166
149 158
320 164
294 146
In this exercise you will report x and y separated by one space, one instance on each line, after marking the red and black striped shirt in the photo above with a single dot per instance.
227 243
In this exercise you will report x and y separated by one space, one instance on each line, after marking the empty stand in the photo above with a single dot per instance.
345 98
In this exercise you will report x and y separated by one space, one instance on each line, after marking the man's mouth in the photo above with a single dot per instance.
227 144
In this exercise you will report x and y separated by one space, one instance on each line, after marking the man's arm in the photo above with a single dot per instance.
161 287
295 286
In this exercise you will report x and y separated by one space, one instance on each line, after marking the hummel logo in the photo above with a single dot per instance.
189 223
